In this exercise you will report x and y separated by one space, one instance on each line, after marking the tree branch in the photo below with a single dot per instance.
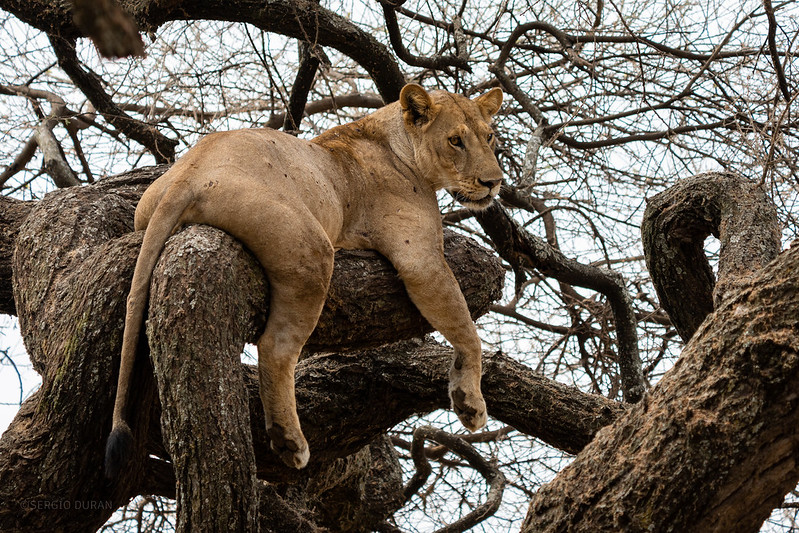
161 147
520 249
306 72
772 47
674 228
55 163
438 62
457 445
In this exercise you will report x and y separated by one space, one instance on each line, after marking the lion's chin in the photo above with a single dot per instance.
472 203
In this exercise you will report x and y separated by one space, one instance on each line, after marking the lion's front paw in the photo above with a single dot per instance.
470 408
290 446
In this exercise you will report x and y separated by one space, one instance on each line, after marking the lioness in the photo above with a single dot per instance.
368 184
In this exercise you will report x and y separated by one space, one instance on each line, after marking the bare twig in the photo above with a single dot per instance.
772 46
492 474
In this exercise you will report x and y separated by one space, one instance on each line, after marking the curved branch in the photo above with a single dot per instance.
438 62
518 247
675 225
457 445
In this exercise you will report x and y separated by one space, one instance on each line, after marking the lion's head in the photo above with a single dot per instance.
454 141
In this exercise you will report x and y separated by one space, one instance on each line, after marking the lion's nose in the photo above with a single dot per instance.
490 183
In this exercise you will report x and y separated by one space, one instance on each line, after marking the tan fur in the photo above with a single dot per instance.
368 184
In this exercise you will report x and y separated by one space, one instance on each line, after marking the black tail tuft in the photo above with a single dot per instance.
118 448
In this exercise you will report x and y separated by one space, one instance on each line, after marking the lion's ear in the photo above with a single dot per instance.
417 106
490 102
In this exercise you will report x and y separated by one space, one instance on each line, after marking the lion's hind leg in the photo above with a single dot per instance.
299 280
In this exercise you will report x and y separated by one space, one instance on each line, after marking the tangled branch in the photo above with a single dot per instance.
493 476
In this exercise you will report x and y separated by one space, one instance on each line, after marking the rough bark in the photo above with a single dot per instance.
712 448
70 318
72 265
352 318
12 214
677 222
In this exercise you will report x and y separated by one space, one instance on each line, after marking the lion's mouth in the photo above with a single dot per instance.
470 202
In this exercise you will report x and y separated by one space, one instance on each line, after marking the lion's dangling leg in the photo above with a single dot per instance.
298 287
438 297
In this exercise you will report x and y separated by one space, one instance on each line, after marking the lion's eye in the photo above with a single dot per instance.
456 141
490 137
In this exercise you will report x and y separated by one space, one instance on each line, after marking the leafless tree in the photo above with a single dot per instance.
616 314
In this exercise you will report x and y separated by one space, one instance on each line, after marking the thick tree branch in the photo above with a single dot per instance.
677 222
12 215
74 259
725 419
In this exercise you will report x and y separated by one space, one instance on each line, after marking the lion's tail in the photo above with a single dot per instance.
162 223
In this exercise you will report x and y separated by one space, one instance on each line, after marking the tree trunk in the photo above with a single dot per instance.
675 226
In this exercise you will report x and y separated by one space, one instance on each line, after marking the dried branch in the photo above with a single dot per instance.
161 147
23 158
55 163
492 474
521 249
276 120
